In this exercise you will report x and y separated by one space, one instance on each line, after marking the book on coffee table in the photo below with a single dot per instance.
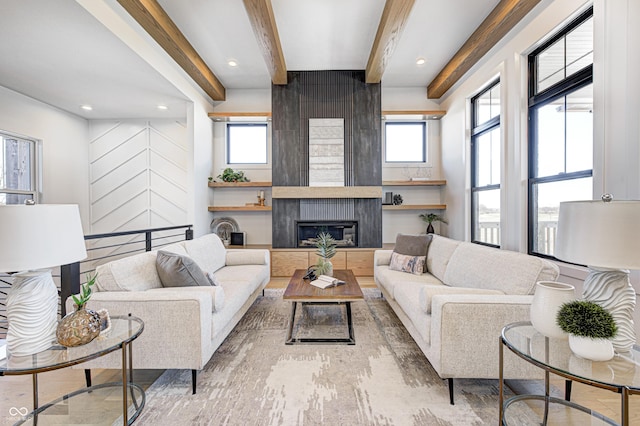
325 281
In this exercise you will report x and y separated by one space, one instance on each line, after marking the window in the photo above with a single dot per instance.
560 128
247 143
18 179
405 142
485 166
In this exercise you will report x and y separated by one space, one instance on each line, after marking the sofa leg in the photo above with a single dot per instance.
87 377
567 390
193 381
450 380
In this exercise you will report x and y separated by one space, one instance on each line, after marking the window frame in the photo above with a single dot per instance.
425 143
561 89
35 166
227 146
478 130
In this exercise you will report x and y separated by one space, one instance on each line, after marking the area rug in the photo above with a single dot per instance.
255 379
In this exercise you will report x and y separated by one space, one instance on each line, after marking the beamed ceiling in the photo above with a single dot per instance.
68 43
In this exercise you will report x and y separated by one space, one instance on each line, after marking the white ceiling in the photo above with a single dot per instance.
56 52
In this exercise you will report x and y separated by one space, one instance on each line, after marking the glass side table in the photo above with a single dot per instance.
124 330
621 375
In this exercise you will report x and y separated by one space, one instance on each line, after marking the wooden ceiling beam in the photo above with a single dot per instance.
499 22
392 22
152 17
264 27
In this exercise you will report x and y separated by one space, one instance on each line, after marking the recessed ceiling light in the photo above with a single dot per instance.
86 107
232 63
420 61
163 107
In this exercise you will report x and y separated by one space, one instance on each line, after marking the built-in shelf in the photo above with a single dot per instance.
434 182
415 207
425 114
239 184
226 116
240 208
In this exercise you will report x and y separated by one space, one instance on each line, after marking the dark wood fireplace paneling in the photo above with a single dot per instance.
327 94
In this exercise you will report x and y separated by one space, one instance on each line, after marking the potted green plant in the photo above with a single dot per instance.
83 325
590 328
325 249
229 175
430 218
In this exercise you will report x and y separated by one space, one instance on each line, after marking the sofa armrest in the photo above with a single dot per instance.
177 326
247 257
382 257
467 329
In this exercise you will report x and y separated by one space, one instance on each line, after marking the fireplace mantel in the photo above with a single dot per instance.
299 192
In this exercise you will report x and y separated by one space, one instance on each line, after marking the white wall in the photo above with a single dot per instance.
65 171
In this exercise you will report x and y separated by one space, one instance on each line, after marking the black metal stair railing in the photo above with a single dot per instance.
101 248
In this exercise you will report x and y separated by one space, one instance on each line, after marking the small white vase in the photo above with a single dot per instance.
547 300
593 349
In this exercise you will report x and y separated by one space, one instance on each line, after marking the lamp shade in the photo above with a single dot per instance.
600 234
40 236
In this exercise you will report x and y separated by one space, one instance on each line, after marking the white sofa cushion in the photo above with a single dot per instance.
216 293
208 252
236 257
389 279
133 273
251 275
406 294
476 266
439 254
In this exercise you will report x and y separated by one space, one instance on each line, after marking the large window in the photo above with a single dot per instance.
560 128
485 166
247 143
18 167
405 142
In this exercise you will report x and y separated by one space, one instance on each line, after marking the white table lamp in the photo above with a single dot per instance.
605 236
33 238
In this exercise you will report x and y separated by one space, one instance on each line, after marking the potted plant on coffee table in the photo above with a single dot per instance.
590 328
325 249
430 218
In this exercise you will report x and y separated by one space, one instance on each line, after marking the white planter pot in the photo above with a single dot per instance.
593 349
547 300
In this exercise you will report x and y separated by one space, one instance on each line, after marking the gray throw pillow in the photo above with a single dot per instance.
412 245
177 270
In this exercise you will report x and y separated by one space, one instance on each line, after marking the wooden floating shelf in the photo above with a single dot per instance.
434 182
239 184
425 114
240 208
225 116
415 207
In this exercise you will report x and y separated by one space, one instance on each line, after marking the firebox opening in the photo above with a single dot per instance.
344 232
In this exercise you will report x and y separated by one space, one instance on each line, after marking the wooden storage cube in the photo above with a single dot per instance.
284 263
360 262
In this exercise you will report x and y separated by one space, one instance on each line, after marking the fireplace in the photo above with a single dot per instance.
344 232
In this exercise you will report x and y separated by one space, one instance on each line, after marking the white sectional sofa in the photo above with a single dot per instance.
183 326
457 309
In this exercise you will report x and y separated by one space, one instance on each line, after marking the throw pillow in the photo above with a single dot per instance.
405 263
413 246
178 270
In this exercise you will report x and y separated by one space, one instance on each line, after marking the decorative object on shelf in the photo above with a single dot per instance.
605 235
210 178
388 199
590 328
261 198
397 199
34 238
83 325
549 296
223 227
326 249
229 175
430 218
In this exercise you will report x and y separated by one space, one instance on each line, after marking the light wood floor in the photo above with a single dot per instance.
16 391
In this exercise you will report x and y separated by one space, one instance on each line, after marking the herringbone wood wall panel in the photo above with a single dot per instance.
138 172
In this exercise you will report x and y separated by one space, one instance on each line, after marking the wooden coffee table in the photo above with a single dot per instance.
301 291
